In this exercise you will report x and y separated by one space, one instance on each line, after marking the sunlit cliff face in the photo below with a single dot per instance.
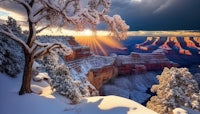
183 44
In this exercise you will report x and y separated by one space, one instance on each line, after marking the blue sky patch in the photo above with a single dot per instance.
3 13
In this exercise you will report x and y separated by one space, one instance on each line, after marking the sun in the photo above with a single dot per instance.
87 32
136 0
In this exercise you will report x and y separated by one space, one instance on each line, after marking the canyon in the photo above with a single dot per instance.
152 54
100 69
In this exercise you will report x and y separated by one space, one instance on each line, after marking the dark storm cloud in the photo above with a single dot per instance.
13 7
159 14
148 14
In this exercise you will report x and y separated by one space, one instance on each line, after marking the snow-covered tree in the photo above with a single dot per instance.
75 14
176 88
10 52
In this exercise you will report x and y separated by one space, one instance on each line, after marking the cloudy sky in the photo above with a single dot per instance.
159 14
143 14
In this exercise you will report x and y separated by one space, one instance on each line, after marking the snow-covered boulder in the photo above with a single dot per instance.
42 76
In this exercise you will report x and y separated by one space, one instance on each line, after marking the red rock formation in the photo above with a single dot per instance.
156 40
197 39
73 42
98 77
145 44
78 51
171 41
137 63
188 42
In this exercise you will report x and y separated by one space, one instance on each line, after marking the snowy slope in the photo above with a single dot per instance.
46 103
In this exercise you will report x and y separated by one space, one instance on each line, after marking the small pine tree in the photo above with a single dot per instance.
11 56
176 88
12 24
62 81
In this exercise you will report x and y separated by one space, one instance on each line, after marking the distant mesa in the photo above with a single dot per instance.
182 45
182 50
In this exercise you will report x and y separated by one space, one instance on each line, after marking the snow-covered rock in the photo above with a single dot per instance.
36 89
179 111
42 76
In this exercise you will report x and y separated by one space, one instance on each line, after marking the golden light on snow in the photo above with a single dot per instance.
119 105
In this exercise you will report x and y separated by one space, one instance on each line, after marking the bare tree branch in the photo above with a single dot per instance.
66 4
31 2
41 29
40 17
33 48
39 10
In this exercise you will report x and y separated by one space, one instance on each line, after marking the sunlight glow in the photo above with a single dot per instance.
87 32
98 44
136 0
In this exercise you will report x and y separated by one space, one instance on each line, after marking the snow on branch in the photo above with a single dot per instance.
117 25
5 30
48 47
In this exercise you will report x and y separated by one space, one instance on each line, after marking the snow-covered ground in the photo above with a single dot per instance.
48 103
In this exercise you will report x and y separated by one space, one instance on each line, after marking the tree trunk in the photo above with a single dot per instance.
27 75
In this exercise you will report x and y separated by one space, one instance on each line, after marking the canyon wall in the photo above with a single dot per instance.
184 45
138 63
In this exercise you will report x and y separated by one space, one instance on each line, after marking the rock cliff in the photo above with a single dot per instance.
182 50
184 45
137 63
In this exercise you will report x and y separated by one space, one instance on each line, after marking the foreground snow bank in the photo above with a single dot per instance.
48 103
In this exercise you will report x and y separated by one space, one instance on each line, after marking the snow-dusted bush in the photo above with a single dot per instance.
176 88
62 80
65 85
11 54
